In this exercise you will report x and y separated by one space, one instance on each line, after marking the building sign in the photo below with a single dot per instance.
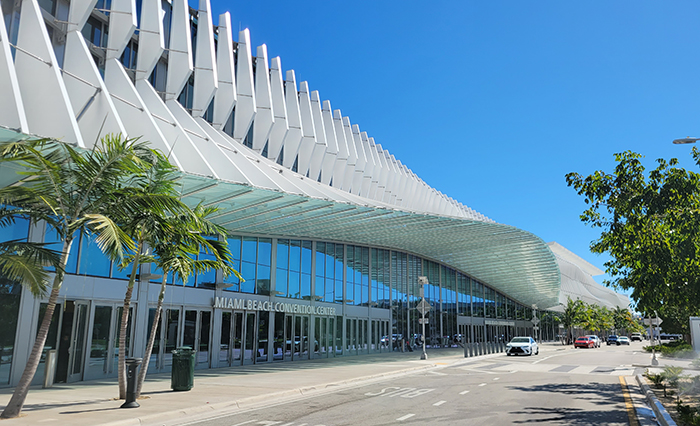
258 305
499 322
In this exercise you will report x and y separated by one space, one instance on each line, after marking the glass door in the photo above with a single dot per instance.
77 342
203 339
250 338
97 361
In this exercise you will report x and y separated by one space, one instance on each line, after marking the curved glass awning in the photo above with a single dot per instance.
509 259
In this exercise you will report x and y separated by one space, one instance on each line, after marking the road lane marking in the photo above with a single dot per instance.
629 406
407 416
464 392
483 384
439 403
496 378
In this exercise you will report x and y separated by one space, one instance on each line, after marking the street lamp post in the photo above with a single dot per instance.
423 308
685 140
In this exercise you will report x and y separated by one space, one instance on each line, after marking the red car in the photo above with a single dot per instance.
584 342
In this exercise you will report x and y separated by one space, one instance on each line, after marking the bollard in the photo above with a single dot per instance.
481 348
492 347
471 349
132 364
50 368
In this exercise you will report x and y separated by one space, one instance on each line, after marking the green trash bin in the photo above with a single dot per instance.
182 374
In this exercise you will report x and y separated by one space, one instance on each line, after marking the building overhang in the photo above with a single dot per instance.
515 262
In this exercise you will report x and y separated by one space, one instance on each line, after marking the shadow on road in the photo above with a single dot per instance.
602 394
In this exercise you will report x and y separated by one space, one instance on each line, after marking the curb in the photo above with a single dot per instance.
252 401
662 415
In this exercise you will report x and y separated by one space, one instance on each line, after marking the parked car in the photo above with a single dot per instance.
612 340
636 337
584 342
623 340
522 345
595 339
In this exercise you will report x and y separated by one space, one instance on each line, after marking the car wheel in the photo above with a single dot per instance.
538 351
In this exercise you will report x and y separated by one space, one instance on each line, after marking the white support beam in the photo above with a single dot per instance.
308 140
12 113
331 154
295 133
226 95
44 96
245 105
206 79
320 145
122 23
341 162
280 126
180 65
151 39
265 117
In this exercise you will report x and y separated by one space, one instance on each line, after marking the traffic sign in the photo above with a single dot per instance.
422 320
535 320
653 321
423 307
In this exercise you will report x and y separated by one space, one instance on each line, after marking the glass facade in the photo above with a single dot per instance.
305 272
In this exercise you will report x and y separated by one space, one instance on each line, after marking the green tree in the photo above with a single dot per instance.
26 262
159 200
650 227
175 250
574 315
73 192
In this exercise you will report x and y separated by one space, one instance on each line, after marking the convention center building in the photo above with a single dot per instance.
334 235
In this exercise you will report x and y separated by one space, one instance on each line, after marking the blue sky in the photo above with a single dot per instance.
493 102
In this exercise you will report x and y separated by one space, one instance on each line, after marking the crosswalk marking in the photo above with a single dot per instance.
551 368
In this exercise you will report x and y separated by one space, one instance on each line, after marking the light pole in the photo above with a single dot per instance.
423 308
685 140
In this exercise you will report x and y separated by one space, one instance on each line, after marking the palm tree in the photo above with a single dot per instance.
72 192
175 252
146 226
572 316
25 262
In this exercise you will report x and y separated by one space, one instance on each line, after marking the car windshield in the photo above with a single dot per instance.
520 340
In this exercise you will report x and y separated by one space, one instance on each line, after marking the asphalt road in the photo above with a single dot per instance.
572 387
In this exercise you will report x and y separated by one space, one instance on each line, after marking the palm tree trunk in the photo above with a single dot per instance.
151 338
121 360
14 407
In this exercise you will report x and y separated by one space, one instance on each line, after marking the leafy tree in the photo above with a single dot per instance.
175 249
650 227
574 315
73 192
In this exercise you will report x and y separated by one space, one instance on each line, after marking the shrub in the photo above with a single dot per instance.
688 415
672 374
675 349
656 379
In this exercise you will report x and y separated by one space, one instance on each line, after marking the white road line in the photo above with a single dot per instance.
407 416
439 403
483 384
464 392
496 378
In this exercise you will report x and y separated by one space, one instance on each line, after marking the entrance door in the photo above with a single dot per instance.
71 348
196 335
231 338
250 338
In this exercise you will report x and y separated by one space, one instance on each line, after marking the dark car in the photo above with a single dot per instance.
612 340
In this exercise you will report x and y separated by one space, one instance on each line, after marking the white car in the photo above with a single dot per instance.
522 345
595 338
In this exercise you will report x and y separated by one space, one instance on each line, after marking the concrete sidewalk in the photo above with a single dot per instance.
223 389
